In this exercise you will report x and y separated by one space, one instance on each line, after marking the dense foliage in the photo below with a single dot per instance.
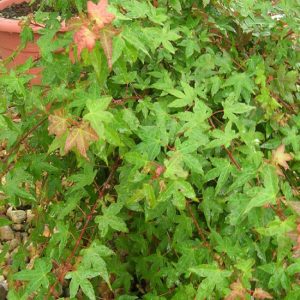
160 154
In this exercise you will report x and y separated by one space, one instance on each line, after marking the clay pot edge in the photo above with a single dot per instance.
12 25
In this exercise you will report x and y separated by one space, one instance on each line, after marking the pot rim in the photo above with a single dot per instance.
13 25
7 3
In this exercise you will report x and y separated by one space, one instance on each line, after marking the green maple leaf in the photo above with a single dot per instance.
109 219
146 192
38 277
85 178
164 81
194 162
222 137
60 237
97 114
14 185
187 97
291 137
222 170
178 191
92 265
151 141
242 85
80 278
92 259
215 278
101 120
132 36
242 177
232 108
167 36
72 199
174 166
278 227
268 193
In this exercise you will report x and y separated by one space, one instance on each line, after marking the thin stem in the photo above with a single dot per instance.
199 229
18 143
229 153
67 266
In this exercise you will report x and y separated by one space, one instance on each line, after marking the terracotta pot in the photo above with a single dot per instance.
10 40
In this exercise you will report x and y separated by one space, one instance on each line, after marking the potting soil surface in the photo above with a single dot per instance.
19 10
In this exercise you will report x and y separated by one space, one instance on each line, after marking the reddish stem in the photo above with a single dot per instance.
67 266
229 153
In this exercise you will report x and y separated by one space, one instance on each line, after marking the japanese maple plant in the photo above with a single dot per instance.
159 155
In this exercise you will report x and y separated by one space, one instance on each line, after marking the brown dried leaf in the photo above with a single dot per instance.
58 124
261 294
80 137
238 292
280 158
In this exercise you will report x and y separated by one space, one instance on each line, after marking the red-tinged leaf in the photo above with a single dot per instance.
84 38
58 124
99 14
106 36
158 171
80 137
238 292
280 158
261 294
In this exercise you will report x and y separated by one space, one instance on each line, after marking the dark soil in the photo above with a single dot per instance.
20 10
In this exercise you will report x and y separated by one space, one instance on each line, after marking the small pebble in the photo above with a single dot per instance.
18 227
13 244
17 216
6 233
30 215
47 232
18 236
32 250
2 207
3 287
24 237
7 256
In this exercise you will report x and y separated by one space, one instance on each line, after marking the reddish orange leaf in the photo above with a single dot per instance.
280 158
58 124
238 292
80 137
84 38
99 14
158 171
261 294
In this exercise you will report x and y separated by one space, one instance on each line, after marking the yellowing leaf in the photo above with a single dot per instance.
261 294
80 137
99 14
280 158
106 35
295 205
58 124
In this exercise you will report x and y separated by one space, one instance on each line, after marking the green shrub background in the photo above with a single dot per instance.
190 184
